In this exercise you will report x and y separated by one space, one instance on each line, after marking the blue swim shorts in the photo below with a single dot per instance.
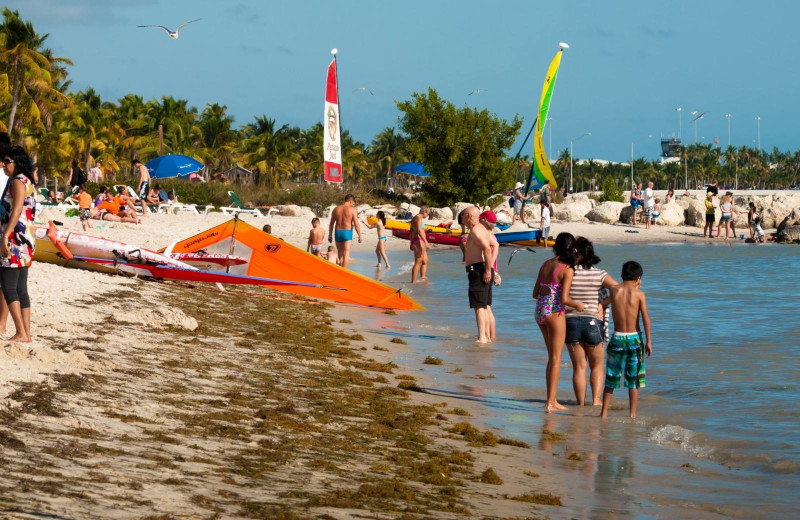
625 357
343 235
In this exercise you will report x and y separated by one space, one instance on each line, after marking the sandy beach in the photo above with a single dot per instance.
140 398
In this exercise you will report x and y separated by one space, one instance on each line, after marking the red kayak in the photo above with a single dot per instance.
433 238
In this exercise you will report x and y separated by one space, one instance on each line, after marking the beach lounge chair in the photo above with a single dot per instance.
61 206
238 207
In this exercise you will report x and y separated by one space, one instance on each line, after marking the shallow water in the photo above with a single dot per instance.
722 385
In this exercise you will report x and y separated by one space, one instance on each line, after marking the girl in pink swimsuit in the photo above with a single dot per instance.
551 293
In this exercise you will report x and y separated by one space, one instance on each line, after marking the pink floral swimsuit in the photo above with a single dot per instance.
550 303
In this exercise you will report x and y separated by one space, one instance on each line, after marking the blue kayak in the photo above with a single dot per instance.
517 236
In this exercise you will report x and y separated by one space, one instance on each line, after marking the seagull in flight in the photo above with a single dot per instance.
478 91
701 116
172 34
364 89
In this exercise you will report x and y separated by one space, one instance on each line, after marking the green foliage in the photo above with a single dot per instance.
464 149
610 191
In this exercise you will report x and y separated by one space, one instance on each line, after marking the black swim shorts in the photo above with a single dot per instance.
710 217
480 292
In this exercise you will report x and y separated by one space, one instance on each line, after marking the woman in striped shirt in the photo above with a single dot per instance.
586 329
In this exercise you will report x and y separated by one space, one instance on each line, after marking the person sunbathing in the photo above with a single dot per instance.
54 198
111 210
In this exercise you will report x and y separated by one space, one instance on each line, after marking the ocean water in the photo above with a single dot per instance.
718 432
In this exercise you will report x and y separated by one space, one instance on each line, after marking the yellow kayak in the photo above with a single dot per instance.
403 225
536 242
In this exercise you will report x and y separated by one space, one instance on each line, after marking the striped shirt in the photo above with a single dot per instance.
586 284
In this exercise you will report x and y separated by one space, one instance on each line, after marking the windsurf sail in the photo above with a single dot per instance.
541 170
270 257
332 143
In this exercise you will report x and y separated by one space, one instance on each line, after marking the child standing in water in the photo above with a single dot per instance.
551 293
380 249
625 353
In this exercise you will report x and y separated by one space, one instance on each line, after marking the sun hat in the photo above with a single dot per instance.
489 217
518 186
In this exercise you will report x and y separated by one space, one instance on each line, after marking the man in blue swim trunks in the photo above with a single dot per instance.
343 219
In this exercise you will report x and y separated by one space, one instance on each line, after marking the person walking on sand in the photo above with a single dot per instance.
625 356
144 183
519 203
733 213
480 274
544 225
586 329
419 245
551 292
343 219
316 237
380 248
18 244
84 206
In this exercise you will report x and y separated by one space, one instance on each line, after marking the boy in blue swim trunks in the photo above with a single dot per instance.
625 353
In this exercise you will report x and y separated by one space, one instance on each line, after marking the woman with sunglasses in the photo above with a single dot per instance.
18 207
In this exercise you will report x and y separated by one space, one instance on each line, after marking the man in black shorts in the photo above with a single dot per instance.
478 257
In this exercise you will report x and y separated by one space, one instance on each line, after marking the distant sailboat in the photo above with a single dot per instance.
541 171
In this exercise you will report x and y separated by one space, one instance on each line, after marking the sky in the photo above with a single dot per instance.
629 66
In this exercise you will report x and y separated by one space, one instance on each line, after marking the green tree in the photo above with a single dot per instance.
463 148
387 149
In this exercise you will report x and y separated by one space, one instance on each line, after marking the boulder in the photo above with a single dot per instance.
574 208
363 208
792 219
696 214
291 210
503 205
533 212
789 234
683 202
442 214
671 214
606 212
459 207
626 215
326 213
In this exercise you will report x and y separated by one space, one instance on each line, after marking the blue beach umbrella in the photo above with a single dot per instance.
413 168
171 165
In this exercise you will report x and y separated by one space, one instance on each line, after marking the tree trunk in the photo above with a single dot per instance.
14 96
88 154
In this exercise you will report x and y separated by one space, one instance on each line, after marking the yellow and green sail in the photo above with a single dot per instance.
541 171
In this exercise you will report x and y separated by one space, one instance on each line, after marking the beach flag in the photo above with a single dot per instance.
332 145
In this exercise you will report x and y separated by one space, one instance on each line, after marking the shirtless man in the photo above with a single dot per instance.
315 238
489 219
144 183
419 245
479 272
343 219
625 354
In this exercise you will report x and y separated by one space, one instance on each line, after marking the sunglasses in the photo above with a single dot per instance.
7 161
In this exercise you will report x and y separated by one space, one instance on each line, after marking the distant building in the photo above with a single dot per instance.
239 175
670 150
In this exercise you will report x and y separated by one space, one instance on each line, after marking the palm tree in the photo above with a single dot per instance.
31 81
265 147
387 148
214 137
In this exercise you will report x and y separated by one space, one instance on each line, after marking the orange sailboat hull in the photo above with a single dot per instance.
270 257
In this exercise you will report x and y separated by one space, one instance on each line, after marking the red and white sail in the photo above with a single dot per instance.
332 145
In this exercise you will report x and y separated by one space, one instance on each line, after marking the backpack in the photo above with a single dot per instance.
511 201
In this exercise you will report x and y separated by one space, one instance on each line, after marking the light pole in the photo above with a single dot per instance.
679 110
550 124
649 136
695 120
758 124
728 117
571 158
